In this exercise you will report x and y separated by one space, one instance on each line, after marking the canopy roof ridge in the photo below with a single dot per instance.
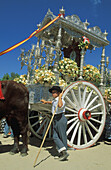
76 28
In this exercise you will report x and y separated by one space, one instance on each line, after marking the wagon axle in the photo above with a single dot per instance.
84 114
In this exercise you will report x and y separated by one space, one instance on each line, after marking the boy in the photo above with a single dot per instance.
60 122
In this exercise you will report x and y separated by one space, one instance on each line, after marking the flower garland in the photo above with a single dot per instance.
84 43
91 73
68 67
108 93
62 82
44 76
22 79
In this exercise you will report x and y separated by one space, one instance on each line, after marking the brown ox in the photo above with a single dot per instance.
15 109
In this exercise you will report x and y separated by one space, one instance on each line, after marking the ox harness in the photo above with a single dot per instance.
1 94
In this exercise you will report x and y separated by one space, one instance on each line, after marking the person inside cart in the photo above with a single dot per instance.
107 99
60 122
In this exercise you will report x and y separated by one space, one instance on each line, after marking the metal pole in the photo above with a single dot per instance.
102 70
81 64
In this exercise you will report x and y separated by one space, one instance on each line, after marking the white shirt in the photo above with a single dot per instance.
59 109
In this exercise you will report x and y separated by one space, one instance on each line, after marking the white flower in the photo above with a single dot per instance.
68 66
91 73
43 76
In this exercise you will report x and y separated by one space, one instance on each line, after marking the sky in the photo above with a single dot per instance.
18 19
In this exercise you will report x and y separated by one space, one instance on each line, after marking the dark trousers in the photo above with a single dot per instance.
59 132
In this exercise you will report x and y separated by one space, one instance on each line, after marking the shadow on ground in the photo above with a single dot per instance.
33 141
7 148
48 145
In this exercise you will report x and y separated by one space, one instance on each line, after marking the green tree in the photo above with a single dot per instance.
14 75
6 77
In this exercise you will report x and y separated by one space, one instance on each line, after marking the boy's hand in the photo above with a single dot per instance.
44 101
60 95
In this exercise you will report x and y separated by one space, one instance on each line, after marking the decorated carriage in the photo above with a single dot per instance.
58 58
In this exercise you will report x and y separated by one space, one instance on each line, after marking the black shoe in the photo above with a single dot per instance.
58 156
108 141
5 136
63 156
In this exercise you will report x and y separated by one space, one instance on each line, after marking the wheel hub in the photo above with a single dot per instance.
84 114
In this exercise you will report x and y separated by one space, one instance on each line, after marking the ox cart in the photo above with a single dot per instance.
85 105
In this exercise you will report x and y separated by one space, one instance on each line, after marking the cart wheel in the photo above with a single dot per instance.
85 112
38 123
